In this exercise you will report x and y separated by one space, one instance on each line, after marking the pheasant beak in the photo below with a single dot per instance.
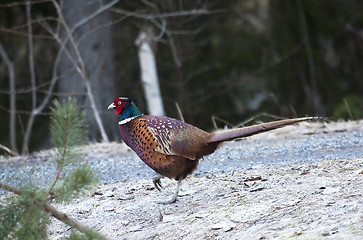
112 105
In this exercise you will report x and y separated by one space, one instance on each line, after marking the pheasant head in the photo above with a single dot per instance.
126 108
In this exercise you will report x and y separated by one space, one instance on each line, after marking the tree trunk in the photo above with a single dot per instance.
149 76
95 46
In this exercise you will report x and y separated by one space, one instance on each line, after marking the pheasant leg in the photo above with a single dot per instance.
157 182
175 196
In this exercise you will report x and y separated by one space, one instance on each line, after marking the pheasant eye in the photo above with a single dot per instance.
119 103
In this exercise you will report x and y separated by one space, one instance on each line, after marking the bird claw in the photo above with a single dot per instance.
175 196
157 183
171 201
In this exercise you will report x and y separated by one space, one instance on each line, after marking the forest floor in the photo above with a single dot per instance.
299 182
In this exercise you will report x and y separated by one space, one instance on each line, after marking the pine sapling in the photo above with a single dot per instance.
26 215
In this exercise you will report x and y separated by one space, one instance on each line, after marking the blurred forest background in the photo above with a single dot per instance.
229 59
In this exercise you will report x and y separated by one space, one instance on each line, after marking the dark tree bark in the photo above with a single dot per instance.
94 41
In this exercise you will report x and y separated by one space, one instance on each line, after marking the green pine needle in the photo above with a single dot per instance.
67 128
33 221
88 234
10 213
74 183
24 216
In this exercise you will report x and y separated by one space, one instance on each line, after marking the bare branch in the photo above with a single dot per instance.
12 124
22 111
358 33
82 71
282 59
161 17
21 126
167 15
10 188
24 34
310 59
24 90
5 148
9 5
31 57
93 15
51 210
79 23
174 50
32 80
181 117
45 113
81 38
63 48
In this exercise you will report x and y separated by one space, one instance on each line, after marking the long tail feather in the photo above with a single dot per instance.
255 129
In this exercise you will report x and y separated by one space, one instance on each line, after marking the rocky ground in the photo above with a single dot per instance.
299 182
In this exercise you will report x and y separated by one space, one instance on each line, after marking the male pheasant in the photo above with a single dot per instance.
171 147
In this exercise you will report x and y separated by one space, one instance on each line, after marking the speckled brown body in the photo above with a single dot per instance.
172 147
169 146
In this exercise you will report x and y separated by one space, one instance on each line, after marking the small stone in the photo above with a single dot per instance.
169 218
122 198
135 228
109 194
325 234
253 179
225 225
97 193
257 189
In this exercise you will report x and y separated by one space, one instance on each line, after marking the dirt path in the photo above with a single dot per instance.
315 192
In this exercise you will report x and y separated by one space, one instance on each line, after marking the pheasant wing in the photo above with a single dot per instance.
178 138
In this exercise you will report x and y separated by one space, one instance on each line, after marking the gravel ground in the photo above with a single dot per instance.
298 182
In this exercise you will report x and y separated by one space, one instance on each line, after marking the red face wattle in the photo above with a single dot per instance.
119 105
